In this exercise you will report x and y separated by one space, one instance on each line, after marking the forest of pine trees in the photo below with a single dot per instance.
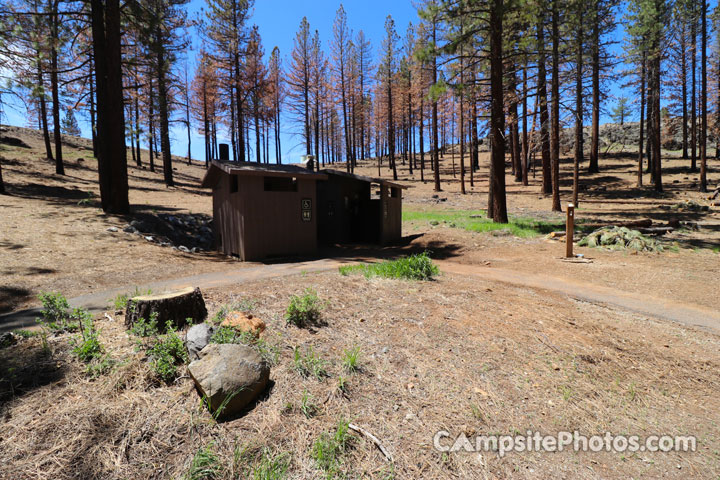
511 73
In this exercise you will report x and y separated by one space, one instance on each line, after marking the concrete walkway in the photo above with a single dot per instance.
643 304
640 303
100 301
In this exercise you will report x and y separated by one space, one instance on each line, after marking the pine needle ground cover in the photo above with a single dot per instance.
458 354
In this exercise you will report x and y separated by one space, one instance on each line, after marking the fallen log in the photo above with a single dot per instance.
179 308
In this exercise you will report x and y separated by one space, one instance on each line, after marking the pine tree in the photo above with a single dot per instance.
70 124
386 73
299 80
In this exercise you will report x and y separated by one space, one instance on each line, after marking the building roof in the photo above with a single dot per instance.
218 167
363 178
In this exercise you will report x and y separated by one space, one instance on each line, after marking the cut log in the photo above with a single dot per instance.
179 308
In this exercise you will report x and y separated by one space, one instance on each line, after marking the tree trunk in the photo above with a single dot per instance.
112 160
703 99
683 80
555 134
436 152
544 117
54 84
497 115
43 115
594 166
422 138
642 120
164 114
693 93
578 109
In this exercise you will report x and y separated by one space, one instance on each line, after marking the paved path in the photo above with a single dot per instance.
99 301
635 302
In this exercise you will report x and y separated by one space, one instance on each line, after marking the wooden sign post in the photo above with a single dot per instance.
569 230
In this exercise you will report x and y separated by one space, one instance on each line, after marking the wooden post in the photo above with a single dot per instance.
569 230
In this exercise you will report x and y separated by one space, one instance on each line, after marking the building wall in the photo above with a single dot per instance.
391 214
256 224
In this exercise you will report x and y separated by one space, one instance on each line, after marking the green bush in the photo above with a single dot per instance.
328 449
269 353
146 328
86 346
414 267
55 313
304 310
167 353
309 365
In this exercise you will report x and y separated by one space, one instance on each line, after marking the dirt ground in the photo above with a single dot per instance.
456 354
459 353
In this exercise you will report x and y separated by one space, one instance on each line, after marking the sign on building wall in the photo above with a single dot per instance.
306 209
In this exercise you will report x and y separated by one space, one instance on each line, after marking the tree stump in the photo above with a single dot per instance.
179 308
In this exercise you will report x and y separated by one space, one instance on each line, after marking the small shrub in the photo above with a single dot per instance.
146 328
414 267
167 353
350 360
271 466
328 449
268 352
86 346
55 313
205 465
309 365
304 310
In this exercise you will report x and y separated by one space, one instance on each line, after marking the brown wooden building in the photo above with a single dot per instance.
263 210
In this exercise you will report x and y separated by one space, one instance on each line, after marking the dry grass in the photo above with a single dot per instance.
454 354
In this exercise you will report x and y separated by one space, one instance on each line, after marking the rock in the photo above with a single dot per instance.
150 239
112 229
183 248
129 229
197 338
180 308
7 339
244 322
229 374
501 233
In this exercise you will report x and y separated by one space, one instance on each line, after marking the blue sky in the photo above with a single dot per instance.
278 21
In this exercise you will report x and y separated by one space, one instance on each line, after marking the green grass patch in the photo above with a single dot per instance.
328 450
305 309
477 221
414 267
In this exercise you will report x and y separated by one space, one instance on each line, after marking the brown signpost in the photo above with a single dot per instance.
569 230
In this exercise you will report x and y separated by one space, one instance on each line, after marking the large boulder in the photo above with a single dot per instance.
244 322
198 336
179 308
229 375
